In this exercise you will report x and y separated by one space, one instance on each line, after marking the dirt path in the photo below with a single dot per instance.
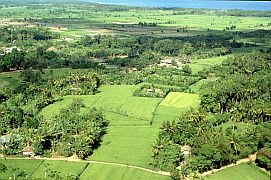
101 162
252 157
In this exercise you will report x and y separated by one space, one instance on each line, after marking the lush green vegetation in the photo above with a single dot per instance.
134 123
133 86
228 99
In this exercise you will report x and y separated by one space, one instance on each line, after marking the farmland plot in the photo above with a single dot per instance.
134 121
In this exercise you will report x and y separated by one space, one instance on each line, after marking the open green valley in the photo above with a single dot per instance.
101 91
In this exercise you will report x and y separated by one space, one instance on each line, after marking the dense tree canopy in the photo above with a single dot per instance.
232 122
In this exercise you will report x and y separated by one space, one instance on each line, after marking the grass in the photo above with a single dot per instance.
198 65
241 126
9 79
197 68
111 172
246 171
181 100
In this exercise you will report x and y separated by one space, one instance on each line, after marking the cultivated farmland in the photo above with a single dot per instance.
239 172
181 100
134 121
94 91
111 172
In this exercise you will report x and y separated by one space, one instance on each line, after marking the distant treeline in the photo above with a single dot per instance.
102 7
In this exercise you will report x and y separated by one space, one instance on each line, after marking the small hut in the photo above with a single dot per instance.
186 150
52 48
9 50
27 151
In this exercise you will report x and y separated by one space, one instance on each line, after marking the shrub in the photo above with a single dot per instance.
264 158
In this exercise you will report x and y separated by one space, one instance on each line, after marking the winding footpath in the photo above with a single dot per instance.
252 157
102 162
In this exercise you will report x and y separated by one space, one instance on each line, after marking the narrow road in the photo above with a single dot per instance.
252 157
102 162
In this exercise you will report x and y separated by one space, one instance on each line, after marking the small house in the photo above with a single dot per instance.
150 90
52 49
186 150
27 151
134 69
9 50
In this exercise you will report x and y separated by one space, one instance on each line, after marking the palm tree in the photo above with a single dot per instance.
157 147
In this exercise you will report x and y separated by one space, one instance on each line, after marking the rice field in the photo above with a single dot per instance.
88 21
53 169
59 169
111 172
180 100
130 135
246 171
134 121
210 61
41 169
15 166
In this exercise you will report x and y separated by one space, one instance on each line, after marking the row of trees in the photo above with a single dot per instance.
165 46
9 34
80 83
